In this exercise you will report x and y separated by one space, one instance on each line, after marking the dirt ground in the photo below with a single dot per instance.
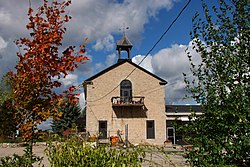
174 156
38 150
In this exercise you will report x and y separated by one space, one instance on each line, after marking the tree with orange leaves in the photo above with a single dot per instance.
41 66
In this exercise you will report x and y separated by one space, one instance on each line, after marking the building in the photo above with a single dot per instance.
126 98
179 114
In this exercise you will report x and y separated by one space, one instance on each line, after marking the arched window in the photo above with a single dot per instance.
126 90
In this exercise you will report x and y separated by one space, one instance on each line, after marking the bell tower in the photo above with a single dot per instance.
124 45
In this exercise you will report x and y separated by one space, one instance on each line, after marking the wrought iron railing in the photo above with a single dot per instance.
127 101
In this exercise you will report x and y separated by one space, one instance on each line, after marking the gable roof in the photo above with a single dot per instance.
120 62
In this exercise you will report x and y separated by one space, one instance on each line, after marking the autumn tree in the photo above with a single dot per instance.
41 66
221 136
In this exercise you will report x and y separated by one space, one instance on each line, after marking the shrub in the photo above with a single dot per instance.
75 153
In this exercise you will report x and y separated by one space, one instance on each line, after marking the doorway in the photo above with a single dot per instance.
171 134
103 128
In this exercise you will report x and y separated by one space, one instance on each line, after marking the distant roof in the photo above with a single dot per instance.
183 108
122 61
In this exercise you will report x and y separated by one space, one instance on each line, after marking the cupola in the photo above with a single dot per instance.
123 45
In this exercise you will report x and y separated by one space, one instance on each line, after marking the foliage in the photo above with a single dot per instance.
21 161
8 124
81 121
5 89
70 113
7 112
41 66
75 152
221 137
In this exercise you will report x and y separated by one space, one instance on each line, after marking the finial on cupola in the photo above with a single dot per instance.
124 45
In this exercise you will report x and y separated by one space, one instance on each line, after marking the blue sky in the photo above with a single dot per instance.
154 28
100 21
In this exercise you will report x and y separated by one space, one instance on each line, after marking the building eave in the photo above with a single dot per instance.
162 81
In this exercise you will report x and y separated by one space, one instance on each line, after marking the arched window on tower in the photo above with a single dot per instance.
126 91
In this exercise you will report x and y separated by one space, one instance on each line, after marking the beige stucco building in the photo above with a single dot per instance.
125 97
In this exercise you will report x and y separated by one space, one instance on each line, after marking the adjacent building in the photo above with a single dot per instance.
179 114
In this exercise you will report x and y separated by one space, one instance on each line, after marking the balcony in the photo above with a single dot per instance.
135 101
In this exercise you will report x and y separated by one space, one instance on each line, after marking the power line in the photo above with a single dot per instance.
161 37
172 83
158 41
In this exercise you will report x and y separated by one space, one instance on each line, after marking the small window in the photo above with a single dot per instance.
151 129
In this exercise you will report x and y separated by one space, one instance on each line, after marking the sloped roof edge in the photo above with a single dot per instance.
162 81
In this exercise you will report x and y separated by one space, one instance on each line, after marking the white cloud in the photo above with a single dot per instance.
170 64
106 43
110 60
97 20
99 66
169 61
8 58
70 79
146 64
5 17
3 43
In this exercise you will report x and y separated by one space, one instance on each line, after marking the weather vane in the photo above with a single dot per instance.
124 28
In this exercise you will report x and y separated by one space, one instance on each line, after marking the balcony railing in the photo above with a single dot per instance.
128 101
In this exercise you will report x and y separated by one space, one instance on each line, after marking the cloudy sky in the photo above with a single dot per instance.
100 21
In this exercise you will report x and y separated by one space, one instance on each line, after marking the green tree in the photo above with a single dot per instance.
5 89
70 113
221 136
8 123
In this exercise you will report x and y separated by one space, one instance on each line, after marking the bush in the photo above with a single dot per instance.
75 153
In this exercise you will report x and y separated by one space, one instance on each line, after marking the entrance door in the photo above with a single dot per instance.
103 129
171 134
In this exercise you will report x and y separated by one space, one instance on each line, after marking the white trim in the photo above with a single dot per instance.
182 113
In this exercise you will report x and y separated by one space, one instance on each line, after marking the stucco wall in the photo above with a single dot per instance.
99 106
